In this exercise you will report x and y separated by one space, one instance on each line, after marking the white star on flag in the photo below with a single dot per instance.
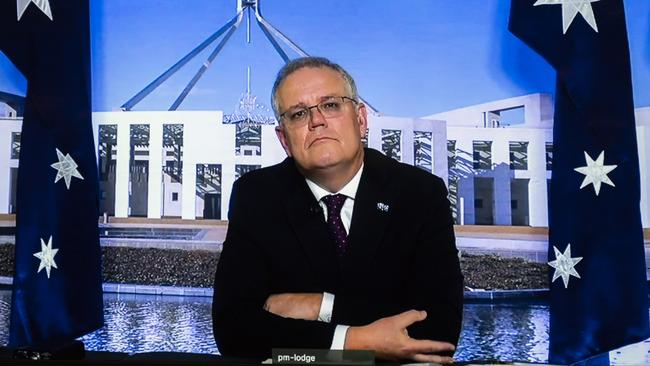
44 5
596 172
564 265
46 255
571 8
66 168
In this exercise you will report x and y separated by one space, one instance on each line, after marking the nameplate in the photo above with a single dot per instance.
296 356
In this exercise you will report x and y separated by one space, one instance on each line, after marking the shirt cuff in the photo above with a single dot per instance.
338 341
326 306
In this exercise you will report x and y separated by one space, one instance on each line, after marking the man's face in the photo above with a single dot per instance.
320 143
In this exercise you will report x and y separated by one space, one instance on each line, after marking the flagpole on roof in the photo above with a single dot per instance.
274 36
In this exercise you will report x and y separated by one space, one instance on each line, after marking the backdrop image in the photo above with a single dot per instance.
530 111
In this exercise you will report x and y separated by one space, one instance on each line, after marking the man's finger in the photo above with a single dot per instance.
409 317
428 346
432 358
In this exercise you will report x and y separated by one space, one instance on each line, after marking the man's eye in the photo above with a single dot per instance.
299 114
331 106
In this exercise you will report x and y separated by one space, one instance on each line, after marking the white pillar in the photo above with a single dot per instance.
122 170
537 194
9 127
406 144
5 183
156 152
227 179
439 151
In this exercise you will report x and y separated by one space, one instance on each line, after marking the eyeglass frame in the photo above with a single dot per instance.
317 106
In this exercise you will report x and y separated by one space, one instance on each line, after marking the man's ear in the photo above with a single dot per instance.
362 118
280 133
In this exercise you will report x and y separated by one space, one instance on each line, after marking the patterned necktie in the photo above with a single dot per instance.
334 204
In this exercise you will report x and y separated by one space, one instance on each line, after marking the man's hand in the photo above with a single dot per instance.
389 339
296 306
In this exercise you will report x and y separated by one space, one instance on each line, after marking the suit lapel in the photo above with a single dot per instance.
308 223
370 217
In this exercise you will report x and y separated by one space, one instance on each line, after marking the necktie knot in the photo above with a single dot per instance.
334 203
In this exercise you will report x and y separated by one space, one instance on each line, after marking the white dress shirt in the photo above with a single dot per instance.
327 304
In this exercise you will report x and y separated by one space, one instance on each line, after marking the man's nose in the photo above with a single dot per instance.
316 118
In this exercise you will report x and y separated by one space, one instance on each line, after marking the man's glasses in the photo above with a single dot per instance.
332 107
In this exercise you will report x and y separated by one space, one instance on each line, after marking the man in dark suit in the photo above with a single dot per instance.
337 246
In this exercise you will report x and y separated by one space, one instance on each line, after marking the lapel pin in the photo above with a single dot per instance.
382 206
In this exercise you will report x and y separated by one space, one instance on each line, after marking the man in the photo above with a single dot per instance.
337 246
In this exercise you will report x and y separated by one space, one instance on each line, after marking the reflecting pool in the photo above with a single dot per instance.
154 323
505 332
144 323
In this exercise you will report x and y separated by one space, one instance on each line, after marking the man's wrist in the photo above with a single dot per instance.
354 339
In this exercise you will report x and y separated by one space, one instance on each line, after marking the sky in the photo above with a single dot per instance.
409 58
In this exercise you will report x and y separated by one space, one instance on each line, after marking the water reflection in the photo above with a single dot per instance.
143 323
505 332
146 323
5 308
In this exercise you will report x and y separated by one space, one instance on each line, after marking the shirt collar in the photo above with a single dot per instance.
349 190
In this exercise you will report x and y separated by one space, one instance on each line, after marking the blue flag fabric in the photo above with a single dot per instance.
57 291
599 296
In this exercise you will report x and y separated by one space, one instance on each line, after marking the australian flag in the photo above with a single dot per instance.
599 296
57 290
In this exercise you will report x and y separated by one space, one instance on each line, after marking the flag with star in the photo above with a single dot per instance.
57 290
599 296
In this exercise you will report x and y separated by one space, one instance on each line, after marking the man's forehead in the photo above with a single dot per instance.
311 83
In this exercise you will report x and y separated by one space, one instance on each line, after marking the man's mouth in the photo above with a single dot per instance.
319 140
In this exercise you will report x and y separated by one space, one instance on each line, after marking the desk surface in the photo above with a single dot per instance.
173 358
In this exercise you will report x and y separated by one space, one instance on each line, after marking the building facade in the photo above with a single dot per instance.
501 156
183 163
499 170
10 127
496 158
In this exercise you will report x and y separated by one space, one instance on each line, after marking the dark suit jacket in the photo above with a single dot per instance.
397 259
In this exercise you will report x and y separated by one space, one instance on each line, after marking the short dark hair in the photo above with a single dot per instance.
311 62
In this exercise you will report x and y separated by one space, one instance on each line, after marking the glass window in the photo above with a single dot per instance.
173 156
453 179
391 143
15 145
549 156
422 150
518 155
208 191
248 139
482 154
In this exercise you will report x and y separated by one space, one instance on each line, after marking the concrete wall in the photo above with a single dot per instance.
408 125
501 172
466 125
538 112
